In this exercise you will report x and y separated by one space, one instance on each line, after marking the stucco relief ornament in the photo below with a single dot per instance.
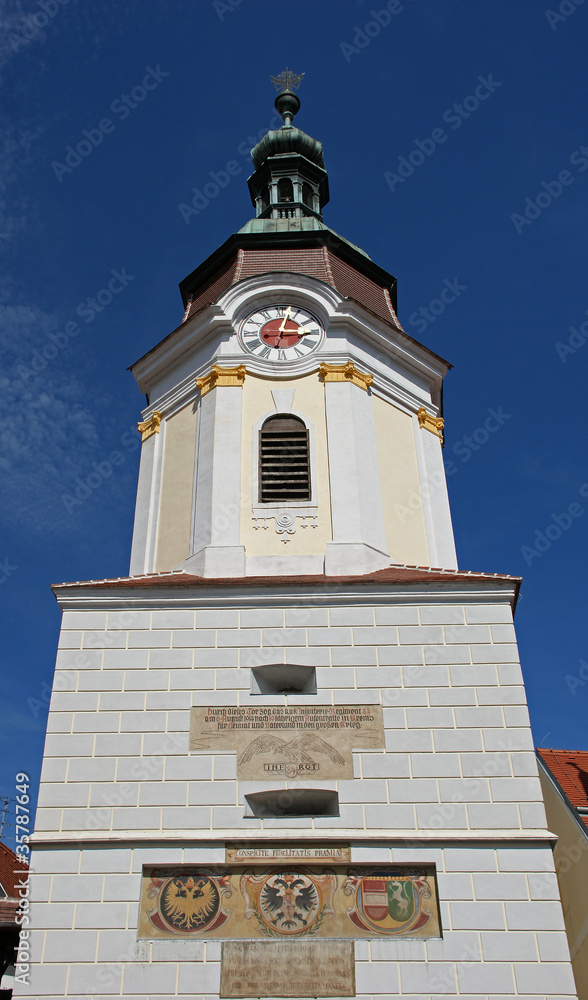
285 522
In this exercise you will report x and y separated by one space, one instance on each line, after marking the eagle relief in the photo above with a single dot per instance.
296 760
297 742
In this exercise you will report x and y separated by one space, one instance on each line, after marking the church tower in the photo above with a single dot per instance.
290 755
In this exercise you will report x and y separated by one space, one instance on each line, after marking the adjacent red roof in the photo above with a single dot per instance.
12 870
391 575
569 769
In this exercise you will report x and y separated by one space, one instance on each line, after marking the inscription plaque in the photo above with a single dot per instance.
287 969
287 852
296 743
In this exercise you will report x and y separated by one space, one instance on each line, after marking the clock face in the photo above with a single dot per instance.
281 333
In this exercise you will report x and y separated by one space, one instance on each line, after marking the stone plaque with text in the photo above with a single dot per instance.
287 969
296 743
287 852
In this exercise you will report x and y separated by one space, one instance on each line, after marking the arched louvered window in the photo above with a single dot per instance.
284 461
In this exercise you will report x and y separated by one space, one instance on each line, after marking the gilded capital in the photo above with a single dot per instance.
221 376
345 373
432 424
148 427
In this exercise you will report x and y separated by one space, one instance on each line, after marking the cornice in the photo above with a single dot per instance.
430 423
345 373
247 593
221 376
386 837
150 426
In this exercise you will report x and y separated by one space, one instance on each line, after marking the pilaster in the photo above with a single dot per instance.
216 548
435 499
147 504
359 538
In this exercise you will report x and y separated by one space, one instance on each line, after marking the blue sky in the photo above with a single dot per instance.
453 135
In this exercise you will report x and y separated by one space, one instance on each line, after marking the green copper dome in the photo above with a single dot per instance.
288 139
290 180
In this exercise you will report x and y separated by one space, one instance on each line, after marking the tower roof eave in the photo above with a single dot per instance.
330 259
384 579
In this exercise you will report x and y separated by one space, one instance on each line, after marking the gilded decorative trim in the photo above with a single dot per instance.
345 373
148 427
432 424
221 376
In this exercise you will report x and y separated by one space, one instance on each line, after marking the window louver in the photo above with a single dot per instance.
284 466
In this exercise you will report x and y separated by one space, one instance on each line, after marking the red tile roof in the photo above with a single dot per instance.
319 262
569 769
11 869
394 574
319 255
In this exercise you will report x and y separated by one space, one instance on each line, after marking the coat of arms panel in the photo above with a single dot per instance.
289 902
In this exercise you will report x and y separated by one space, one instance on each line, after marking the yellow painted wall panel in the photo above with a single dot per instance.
175 509
406 536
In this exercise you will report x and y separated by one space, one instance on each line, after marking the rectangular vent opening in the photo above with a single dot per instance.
284 464
283 803
283 678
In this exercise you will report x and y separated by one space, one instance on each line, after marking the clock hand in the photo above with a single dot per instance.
286 318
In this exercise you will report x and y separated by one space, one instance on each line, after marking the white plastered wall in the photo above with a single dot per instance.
456 786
